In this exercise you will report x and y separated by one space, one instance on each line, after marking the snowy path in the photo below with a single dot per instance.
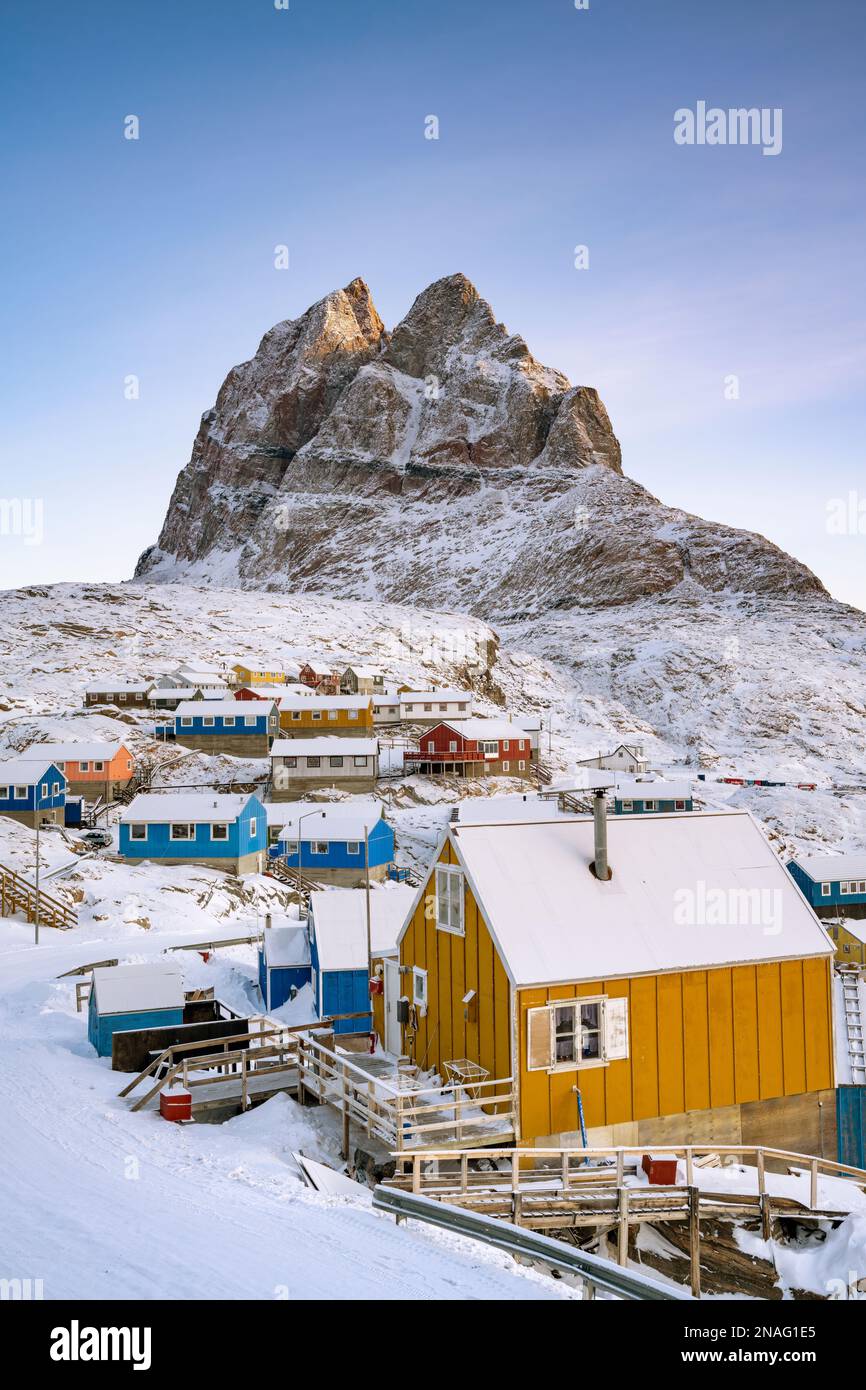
99 1202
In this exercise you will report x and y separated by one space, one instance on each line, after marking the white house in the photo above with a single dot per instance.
432 706
342 761
626 757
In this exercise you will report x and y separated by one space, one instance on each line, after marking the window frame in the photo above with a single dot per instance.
610 1008
452 874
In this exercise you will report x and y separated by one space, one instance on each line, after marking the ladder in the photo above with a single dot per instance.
853 1009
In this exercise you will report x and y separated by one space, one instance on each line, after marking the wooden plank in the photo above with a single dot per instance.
721 1031
745 1013
696 1040
771 1076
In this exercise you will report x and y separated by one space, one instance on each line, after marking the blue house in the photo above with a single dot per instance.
223 831
244 728
284 963
123 997
32 789
338 947
327 841
834 884
651 798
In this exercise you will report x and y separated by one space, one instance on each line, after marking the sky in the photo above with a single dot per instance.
718 307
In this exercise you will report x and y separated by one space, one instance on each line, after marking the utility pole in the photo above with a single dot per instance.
369 921
36 909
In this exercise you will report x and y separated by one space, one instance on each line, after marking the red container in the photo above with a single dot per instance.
660 1169
175 1105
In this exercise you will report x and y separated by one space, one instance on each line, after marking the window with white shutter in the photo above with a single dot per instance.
577 1033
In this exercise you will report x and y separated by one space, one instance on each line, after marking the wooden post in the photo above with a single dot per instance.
399 1121
564 1174
813 1184
622 1243
619 1167
464 1172
300 1071
690 1167
763 1197
345 1090
695 1240
243 1080
371 1106
416 1172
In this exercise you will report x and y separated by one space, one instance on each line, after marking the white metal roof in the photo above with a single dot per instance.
323 747
200 807
126 989
324 702
827 867
346 821
223 707
75 752
287 945
362 671
340 923
25 772
554 921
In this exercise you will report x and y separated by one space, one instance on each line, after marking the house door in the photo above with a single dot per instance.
392 1040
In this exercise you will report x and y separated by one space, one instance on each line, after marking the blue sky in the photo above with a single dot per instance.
154 257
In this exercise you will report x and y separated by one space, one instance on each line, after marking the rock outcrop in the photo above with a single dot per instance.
440 464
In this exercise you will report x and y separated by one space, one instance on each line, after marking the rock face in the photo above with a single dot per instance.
438 465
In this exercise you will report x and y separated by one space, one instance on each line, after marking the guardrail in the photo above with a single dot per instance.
596 1274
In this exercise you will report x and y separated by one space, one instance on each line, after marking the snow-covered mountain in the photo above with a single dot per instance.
437 465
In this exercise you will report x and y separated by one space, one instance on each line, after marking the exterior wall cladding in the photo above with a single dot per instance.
445 746
243 850
39 799
245 735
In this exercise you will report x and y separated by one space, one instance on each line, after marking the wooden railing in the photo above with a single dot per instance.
399 1112
18 894
555 1188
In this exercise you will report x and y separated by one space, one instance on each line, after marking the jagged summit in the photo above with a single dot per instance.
438 464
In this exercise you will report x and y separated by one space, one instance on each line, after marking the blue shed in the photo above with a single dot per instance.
835 881
224 831
132 996
284 963
330 841
338 946
32 788
651 798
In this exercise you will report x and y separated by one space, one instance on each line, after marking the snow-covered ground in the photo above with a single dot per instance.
98 1201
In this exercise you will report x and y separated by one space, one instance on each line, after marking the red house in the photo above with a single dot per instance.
472 748
320 678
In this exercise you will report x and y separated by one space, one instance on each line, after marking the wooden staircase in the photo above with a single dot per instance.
18 894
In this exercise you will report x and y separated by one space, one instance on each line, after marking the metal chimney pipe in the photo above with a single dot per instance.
600 866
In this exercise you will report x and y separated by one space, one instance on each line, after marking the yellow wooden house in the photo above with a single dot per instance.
252 675
849 937
303 715
687 997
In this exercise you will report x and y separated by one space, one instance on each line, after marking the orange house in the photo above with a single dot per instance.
91 769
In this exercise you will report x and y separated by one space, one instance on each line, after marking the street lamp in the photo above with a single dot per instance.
300 842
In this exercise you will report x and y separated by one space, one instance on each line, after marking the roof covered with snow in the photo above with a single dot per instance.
496 810
827 867
481 729
75 752
340 923
323 747
286 946
203 807
24 772
345 821
110 685
237 708
409 697
126 989
682 896
324 702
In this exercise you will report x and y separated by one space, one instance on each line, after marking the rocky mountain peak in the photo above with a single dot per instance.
441 464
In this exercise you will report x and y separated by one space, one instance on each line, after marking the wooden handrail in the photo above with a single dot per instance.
17 892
